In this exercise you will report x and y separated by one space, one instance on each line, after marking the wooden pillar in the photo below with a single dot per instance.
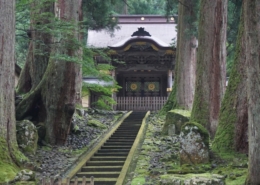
169 82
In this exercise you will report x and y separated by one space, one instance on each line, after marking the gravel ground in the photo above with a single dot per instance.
55 160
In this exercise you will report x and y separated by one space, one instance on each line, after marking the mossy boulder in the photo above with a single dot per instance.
198 179
25 175
194 144
96 123
174 121
214 180
27 136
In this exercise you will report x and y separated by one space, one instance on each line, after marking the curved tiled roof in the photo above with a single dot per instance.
129 39
162 32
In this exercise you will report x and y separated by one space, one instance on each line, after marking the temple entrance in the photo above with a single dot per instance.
142 84
143 64
141 90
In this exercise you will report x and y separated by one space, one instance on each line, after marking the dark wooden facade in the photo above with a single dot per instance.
143 68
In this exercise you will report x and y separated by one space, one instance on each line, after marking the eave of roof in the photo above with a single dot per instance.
155 40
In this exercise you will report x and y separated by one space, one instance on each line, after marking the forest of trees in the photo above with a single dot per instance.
216 39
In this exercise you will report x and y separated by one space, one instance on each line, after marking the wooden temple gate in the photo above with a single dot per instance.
143 66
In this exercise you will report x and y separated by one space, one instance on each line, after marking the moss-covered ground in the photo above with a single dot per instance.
8 169
158 161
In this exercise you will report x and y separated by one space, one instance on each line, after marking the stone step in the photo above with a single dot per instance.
109 158
113 150
121 140
105 163
118 143
101 168
127 132
112 154
129 126
125 141
124 134
111 174
120 135
116 147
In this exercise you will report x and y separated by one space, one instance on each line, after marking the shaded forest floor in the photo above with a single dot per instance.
88 127
157 162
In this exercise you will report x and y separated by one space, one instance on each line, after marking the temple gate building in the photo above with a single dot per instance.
145 47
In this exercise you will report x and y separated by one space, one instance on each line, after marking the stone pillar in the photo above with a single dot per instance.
169 82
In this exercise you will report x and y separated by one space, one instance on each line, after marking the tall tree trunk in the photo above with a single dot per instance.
211 63
231 133
8 142
62 97
39 47
186 55
184 80
252 27
125 7
53 100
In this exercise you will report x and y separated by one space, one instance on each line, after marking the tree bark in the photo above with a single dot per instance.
232 129
186 57
53 99
252 31
211 64
8 142
184 79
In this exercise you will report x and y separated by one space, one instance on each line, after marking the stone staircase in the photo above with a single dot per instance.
106 164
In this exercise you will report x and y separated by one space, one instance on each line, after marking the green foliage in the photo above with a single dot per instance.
192 18
99 14
101 72
22 15
171 7
149 7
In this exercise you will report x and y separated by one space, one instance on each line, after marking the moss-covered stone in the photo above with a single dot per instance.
25 176
188 168
191 179
194 144
27 136
174 121
138 181
26 183
96 123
